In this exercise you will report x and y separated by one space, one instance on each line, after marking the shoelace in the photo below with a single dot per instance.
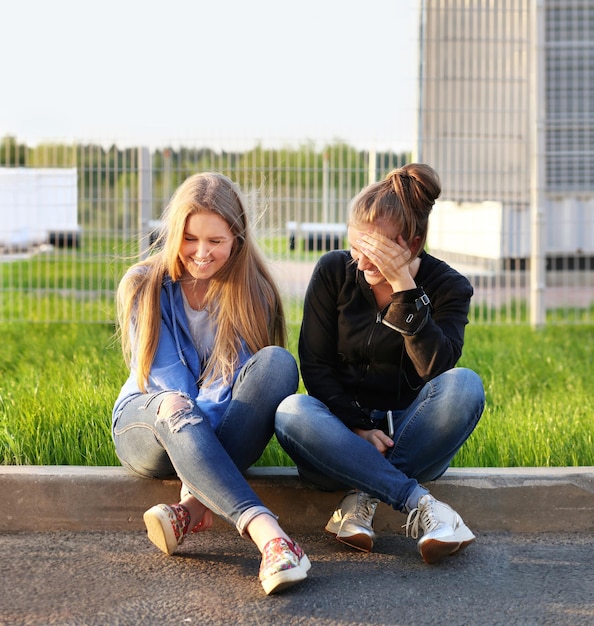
365 509
424 516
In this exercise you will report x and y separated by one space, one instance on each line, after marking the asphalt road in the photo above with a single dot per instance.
119 578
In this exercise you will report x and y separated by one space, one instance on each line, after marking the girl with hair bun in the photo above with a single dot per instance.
382 331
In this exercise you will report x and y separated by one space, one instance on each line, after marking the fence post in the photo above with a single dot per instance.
325 188
537 208
371 166
145 200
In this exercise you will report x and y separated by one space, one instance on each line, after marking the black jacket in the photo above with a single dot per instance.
355 358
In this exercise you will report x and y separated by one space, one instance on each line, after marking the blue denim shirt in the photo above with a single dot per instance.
177 364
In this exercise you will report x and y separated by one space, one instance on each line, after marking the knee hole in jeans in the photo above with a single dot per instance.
177 410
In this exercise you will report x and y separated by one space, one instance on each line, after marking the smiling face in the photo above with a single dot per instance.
206 246
372 275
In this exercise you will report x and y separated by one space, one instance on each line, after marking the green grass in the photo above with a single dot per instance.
58 383
539 403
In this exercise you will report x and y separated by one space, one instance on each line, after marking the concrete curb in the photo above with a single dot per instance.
53 498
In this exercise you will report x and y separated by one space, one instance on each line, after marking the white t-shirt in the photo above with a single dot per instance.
200 328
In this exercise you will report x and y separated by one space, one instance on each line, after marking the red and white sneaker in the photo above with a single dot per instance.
167 526
283 564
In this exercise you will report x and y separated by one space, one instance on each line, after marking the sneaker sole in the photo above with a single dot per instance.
359 542
433 550
157 524
287 578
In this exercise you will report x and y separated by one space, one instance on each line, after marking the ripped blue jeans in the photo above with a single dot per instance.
209 462
427 435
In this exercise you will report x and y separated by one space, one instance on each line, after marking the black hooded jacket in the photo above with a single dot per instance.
355 358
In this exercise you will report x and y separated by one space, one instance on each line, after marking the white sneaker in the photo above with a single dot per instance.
352 522
444 532
284 564
167 526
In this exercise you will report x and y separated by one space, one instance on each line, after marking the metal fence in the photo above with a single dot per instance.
507 119
66 269
505 114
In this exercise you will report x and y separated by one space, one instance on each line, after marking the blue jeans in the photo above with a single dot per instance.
210 462
427 435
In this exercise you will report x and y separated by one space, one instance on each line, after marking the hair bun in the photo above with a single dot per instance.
419 180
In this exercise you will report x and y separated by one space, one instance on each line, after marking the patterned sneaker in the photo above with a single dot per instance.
185 492
352 522
444 532
167 526
283 564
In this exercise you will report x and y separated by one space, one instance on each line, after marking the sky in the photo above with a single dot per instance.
179 71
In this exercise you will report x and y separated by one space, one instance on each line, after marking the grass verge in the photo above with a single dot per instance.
58 383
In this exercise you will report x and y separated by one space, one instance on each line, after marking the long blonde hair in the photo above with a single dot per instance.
243 298
404 198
